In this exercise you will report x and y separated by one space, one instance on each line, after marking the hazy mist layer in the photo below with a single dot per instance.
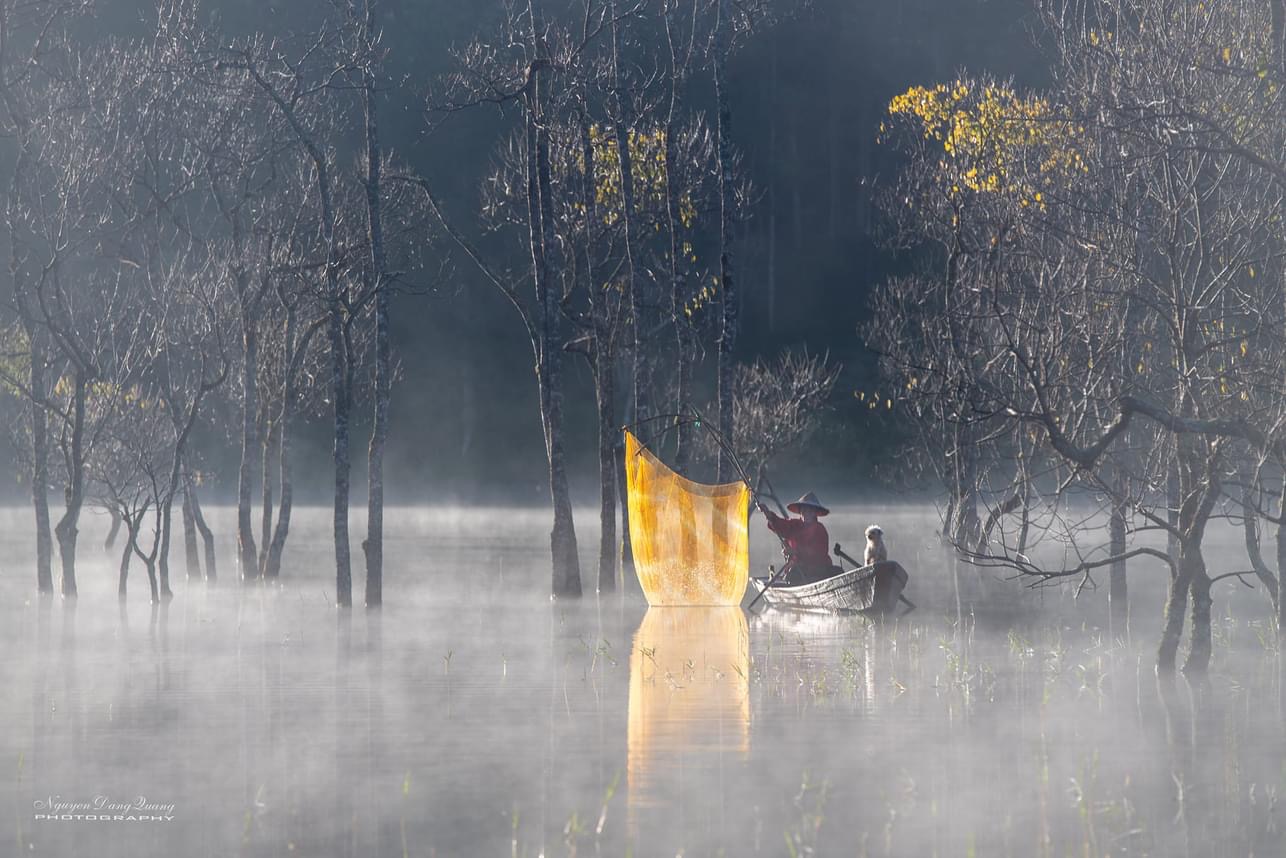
473 716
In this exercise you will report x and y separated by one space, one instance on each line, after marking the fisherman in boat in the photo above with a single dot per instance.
805 541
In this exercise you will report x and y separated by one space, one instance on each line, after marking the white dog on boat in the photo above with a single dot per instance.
875 550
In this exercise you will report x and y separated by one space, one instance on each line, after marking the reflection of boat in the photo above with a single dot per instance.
689 709
873 589
845 627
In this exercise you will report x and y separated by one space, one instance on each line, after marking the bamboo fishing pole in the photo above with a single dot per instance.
698 420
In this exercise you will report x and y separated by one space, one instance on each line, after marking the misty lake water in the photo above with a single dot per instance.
475 716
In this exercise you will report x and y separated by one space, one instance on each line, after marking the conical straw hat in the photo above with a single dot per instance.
809 499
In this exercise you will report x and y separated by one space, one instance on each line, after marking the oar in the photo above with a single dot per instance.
772 493
771 581
839 552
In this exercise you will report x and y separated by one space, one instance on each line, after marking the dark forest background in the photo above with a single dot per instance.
807 98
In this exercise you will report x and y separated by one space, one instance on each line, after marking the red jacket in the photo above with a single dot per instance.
809 543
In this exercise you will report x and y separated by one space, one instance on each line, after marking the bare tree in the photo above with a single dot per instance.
241 161
777 405
298 358
727 206
370 72
529 74
1095 287
60 214
602 321
36 44
680 25
299 84
125 471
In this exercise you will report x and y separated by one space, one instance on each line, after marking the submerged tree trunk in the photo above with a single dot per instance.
1189 564
727 291
966 530
149 564
566 572
1024 528
948 518
191 557
175 483
163 560
247 553
1117 591
1198 660
374 544
272 567
994 517
566 581
151 580
150 558
1197 496
335 329
566 564
1199 489
1281 570
682 394
113 530
123 570
265 481
603 363
68 526
1250 532
294 355
634 286
340 451
40 464
1172 511
1175 607
622 489
207 536
607 430
340 374
679 320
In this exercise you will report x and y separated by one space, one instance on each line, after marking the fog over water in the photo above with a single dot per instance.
475 716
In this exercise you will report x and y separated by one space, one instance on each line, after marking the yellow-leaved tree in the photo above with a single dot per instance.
991 139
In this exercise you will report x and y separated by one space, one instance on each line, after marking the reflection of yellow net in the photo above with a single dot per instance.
690 541
689 712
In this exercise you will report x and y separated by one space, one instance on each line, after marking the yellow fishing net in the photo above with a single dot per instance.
690 542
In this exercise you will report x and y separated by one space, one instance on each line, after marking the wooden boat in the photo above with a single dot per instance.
873 590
